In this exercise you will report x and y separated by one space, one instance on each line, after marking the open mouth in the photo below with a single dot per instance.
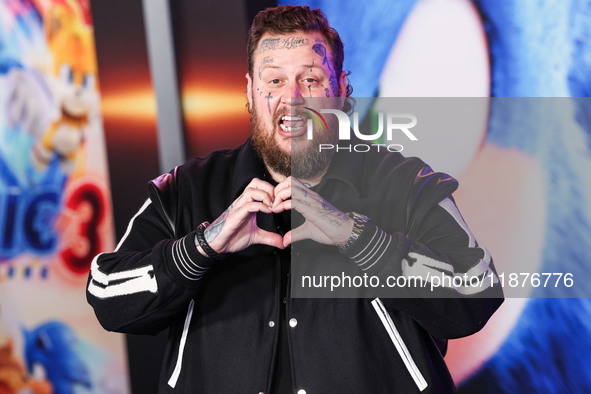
291 125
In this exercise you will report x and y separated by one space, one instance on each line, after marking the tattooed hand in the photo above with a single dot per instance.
236 228
324 223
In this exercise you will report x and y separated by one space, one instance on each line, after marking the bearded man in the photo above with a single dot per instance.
223 288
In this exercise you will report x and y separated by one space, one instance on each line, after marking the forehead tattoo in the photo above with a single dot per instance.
271 44
321 50
266 60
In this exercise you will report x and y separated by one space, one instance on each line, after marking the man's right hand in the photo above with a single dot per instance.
236 228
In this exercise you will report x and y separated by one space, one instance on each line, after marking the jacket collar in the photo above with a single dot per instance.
345 167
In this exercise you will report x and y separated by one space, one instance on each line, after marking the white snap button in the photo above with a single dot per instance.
301 391
271 324
292 323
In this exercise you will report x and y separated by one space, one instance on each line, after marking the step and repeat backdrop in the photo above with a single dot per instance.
70 177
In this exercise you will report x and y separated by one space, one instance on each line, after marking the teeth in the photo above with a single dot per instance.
290 129
291 118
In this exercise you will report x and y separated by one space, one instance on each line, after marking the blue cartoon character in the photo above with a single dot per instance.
52 345
528 166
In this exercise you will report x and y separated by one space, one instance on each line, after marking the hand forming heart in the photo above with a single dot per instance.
236 228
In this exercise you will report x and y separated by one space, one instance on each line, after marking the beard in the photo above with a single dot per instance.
305 161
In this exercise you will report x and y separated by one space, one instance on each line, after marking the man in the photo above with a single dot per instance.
223 288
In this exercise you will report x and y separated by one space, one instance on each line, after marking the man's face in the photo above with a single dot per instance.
286 70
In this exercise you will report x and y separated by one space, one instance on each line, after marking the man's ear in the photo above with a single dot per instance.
342 89
343 84
249 90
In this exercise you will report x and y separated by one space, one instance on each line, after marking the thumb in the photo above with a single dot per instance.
287 239
295 235
268 238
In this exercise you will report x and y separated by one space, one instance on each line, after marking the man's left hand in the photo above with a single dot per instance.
324 223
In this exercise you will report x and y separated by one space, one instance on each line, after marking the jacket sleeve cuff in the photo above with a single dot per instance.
189 264
375 247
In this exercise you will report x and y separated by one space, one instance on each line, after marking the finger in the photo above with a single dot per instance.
257 183
283 206
268 238
283 191
292 183
254 206
281 196
252 194
287 239
283 185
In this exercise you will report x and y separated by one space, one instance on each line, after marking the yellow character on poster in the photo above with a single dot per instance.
71 43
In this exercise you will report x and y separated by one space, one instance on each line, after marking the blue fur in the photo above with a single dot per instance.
538 48
52 345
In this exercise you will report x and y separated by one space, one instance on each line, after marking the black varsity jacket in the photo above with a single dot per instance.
224 316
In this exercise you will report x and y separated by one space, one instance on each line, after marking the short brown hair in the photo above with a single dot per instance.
289 19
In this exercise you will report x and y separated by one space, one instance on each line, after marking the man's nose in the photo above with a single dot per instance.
293 94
